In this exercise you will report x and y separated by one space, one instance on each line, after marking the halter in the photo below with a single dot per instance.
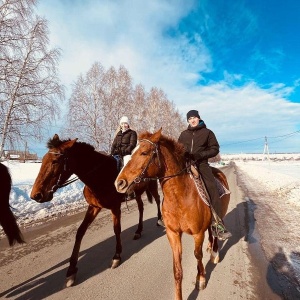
140 178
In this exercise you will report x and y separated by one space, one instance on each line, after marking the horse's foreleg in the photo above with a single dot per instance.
140 204
175 242
90 216
200 279
116 216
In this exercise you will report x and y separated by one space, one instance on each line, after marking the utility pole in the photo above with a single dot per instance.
25 152
266 150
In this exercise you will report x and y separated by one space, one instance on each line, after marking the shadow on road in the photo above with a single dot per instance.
91 262
282 277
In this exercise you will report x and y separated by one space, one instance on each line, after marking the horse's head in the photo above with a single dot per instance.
54 170
145 162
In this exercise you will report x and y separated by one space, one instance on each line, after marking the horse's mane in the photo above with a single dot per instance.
55 143
176 148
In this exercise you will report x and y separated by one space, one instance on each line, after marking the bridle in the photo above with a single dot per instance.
60 183
156 152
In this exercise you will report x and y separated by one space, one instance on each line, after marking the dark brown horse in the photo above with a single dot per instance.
7 219
159 157
98 172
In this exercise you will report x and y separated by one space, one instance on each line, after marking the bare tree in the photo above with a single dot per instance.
140 111
162 113
29 85
101 98
85 112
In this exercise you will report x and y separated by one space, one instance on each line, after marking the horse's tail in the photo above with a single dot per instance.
152 190
149 195
7 219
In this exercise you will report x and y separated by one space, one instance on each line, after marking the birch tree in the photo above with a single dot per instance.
85 109
101 98
29 85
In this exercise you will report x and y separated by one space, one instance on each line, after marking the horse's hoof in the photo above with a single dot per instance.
70 280
200 285
214 257
137 236
160 223
115 263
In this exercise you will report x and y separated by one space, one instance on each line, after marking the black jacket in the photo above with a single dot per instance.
124 143
200 142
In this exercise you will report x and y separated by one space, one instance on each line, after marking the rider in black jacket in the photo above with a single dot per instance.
201 144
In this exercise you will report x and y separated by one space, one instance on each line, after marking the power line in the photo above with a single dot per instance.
255 139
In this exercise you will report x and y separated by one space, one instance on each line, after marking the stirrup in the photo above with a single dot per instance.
219 231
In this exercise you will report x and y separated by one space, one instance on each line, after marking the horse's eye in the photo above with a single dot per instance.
144 153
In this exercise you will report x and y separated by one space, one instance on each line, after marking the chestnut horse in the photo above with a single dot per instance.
162 158
98 172
7 219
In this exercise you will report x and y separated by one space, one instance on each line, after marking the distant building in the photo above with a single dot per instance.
19 155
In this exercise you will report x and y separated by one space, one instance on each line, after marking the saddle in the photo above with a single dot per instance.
201 186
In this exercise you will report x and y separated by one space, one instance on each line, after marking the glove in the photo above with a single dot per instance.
188 156
116 152
199 157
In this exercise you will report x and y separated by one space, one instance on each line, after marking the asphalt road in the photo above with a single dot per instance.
37 269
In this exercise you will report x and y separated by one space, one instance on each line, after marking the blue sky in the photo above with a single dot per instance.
236 62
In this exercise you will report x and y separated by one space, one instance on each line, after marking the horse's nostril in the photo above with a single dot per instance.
121 184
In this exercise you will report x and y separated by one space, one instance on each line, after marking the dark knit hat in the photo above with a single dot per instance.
192 113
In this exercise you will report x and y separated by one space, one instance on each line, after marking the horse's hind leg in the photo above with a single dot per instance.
213 247
90 216
140 204
200 279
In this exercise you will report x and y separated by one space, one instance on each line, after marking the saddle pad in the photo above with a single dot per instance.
202 189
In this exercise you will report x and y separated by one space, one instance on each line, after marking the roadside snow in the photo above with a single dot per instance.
282 178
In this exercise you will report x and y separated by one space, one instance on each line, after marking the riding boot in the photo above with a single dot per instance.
219 230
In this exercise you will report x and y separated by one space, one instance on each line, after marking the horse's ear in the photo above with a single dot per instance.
156 136
55 137
69 144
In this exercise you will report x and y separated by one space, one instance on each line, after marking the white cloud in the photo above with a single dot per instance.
133 34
